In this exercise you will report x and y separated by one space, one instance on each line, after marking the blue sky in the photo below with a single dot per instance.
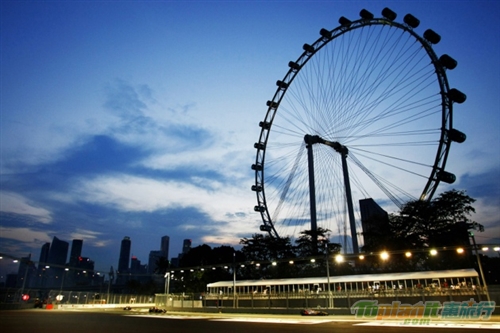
131 118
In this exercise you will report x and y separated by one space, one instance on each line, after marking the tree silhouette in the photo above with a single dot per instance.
421 225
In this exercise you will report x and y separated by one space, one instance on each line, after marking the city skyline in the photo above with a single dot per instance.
139 119
58 255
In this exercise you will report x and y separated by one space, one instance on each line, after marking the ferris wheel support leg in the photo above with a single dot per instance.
352 221
312 191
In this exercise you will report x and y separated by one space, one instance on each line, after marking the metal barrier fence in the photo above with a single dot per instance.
296 300
65 297
184 300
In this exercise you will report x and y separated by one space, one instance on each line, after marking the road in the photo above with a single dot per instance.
40 321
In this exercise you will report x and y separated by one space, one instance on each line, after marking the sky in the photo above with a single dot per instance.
138 118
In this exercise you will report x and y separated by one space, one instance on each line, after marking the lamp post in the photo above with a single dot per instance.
330 305
471 234
167 286
62 279
111 276
25 276
234 279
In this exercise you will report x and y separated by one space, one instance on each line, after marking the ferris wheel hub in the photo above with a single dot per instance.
312 139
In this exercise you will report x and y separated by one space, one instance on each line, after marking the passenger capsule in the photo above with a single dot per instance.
259 145
456 135
344 21
294 65
272 104
446 177
265 228
447 61
325 33
257 188
281 84
411 21
308 48
257 167
365 14
389 14
265 124
432 36
457 96
259 208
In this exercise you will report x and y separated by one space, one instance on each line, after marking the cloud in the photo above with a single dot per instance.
140 194
125 100
224 208
84 234
26 235
14 203
90 237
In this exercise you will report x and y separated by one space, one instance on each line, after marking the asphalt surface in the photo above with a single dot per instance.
140 320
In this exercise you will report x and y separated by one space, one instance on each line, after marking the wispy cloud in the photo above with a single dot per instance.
14 203
26 235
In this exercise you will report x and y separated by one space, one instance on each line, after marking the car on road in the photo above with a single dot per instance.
312 312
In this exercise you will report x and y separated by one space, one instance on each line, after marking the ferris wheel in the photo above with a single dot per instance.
364 112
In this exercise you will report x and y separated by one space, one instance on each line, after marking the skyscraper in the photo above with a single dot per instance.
58 252
124 255
25 273
154 257
44 257
76 251
374 220
186 246
165 243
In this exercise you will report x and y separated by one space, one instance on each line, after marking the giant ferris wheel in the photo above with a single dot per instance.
364 112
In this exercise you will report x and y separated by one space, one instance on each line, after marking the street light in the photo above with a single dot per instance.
167 286
330 305
62 280
167 283
471 235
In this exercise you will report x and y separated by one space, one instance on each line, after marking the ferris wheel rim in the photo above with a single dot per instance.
295 68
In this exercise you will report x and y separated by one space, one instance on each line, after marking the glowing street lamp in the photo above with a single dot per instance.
339 258
460 250
433 252
384 255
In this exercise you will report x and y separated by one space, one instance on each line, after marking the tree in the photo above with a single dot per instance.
442 221
202 256
315 243
421 225
264 248
306 246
